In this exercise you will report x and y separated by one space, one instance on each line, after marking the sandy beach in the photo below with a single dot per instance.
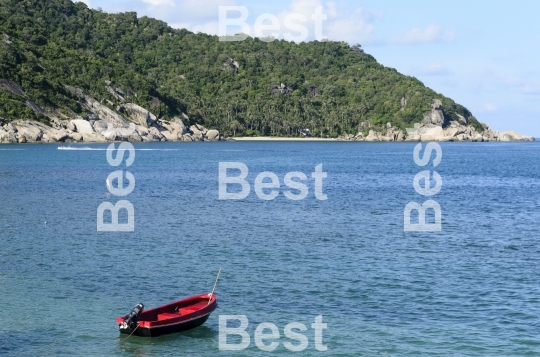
275 138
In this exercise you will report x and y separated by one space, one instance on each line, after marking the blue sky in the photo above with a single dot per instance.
483 54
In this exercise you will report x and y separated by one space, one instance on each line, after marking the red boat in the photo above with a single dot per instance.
174 317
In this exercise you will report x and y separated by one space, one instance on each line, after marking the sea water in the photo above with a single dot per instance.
472 289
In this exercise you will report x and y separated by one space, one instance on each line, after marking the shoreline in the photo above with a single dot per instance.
257 139
284 139
103 131
280 138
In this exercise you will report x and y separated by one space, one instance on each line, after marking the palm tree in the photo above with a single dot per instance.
236 125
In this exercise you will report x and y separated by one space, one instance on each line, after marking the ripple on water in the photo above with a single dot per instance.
470 290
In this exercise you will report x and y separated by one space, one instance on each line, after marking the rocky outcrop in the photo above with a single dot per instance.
6 38
103 125
372 136
98 109
230 64
80 130
212 135
178 125
139 115
137 124
6 137
81 126
13 87
282 89
509 136
455 131
35 108
436 115
403 103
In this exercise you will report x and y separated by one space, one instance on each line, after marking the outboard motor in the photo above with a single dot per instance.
132 317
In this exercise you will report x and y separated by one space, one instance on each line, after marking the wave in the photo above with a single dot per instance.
105 149
80 149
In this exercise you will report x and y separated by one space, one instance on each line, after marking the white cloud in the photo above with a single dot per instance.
203 8
194 15
430 34
160 2
353 25
339 25
524 86
354 28
533 89
490 107
433 69
211 28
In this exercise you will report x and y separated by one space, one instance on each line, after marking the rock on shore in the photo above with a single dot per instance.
432 132
137 124
434 127
104 125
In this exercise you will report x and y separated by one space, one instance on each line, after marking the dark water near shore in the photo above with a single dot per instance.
471 290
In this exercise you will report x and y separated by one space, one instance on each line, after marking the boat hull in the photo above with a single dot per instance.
165 330
175 317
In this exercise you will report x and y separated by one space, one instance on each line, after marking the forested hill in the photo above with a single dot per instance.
250 87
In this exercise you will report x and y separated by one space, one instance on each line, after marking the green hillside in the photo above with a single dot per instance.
329 87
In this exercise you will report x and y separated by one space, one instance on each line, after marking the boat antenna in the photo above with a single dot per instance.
212 293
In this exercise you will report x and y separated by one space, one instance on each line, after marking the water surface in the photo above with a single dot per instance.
471 290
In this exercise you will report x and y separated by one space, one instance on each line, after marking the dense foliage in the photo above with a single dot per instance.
331 87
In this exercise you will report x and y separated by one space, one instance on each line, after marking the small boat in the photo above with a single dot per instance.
174 317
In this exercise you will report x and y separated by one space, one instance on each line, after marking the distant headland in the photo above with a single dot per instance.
73 74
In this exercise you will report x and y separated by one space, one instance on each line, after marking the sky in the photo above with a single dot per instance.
483 54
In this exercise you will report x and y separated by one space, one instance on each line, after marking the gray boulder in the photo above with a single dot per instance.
413 137
26 132
135 138
462 119
76 136
100 126
7 137
94 138
201 128
509 136
141 130
435 117
212 135
478 138
71 126
372 137
195 130
451 132
81 126
139 115
442 138
178 125
170 135
56 135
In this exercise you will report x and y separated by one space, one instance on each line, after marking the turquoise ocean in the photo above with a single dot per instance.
472 289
